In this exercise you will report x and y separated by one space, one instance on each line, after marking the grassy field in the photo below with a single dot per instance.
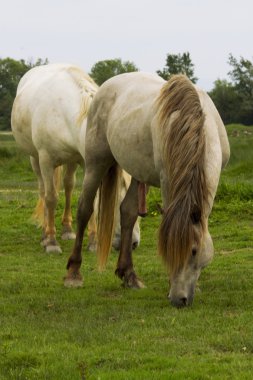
104 331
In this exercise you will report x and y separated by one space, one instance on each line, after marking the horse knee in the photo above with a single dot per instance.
51 200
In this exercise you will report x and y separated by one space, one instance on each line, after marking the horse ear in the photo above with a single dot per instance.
196 214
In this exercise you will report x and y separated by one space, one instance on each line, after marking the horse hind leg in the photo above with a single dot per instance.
69 183
39 216
128 217
50 243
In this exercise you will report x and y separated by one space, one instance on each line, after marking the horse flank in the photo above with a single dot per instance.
183 139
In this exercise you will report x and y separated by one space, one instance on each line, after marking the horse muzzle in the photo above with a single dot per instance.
181 300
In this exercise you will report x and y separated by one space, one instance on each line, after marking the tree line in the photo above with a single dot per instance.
233 98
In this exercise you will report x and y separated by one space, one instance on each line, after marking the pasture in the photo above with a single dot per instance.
103 331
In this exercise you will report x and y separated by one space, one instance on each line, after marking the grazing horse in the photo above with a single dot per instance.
167 135
49 118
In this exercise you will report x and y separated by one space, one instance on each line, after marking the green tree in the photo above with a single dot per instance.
234 99
103 70
178 64
226 99
242 75
242 79
11 72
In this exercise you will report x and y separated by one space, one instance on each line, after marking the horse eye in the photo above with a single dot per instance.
196 215
194 252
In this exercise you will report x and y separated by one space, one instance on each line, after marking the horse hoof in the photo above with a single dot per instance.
53 248
137 284
73 281
68 236
133 282
43 242
140 284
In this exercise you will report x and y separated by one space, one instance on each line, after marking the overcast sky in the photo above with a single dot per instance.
142 31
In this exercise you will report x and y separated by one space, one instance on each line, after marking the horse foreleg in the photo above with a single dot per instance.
69 183
128 217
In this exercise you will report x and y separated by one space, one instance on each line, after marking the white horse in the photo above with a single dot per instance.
165 134
49 118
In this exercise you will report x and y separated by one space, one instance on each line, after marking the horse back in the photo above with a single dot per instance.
48 108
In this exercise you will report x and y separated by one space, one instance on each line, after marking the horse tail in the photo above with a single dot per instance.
181 119
88 89
108 202
39 211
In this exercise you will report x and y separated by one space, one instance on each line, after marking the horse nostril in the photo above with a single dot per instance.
179 302
135 244
183 301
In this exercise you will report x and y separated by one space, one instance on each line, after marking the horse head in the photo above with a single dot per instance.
183 281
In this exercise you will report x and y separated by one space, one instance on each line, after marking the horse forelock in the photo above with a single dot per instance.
88 89
181 120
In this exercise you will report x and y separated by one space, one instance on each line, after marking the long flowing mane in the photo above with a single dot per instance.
88 89
181 120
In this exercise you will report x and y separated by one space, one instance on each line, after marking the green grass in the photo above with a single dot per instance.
104 331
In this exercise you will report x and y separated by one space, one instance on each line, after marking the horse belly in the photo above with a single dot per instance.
133 152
